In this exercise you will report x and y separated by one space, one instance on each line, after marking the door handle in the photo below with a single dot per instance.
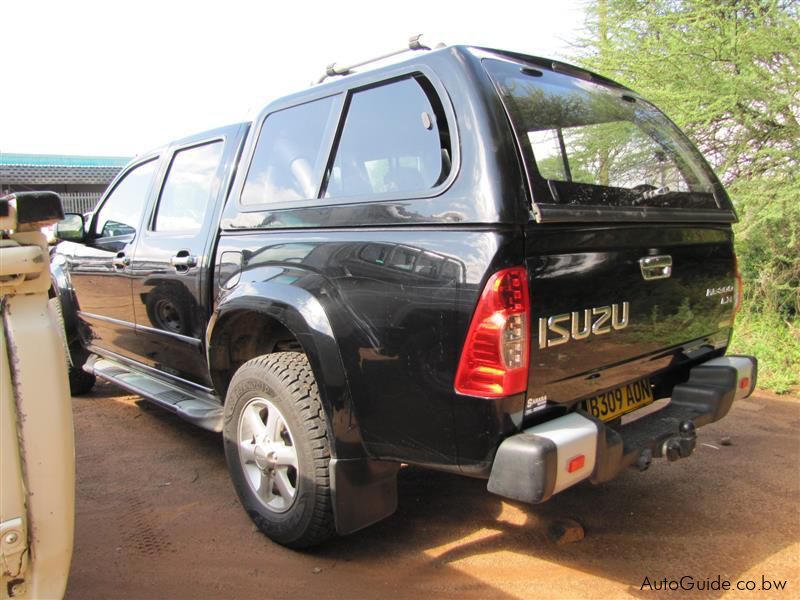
656 267
120 261
183 261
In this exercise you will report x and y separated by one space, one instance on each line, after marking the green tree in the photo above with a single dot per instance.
728 73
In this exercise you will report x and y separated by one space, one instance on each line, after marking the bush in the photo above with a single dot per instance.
768 249
776 344
768 245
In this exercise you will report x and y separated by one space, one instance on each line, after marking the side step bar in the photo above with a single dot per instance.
197 407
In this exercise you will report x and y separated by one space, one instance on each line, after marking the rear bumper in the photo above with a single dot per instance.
535 464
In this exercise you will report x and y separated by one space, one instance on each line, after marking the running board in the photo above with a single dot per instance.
195 406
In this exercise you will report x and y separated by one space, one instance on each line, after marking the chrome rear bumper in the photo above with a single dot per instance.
543 460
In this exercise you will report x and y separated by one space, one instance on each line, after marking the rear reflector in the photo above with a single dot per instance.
576 464
744 383
494 360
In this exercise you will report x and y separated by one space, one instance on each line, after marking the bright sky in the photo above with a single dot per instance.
117 78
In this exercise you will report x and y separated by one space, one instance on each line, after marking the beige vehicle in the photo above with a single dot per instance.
37 490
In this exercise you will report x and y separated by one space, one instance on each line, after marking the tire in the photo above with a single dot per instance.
80 382
277 449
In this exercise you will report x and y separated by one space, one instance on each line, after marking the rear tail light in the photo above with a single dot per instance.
738 287
494 360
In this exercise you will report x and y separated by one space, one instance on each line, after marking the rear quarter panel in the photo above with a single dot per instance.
399 304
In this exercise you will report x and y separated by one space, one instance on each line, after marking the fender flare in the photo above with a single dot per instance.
301 314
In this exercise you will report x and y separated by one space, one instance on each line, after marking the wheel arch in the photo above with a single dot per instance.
364 490
265 319
61 288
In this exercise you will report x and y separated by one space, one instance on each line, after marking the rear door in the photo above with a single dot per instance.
629 249
170 266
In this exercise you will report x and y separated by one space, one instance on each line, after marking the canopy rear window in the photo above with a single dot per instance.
589 147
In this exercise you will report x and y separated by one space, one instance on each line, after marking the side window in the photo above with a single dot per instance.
395 140
188 187
122 210
288 160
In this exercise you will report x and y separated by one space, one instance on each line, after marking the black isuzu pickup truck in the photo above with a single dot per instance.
470 260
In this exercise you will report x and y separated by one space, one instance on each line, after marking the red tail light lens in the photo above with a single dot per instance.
494 360
738 287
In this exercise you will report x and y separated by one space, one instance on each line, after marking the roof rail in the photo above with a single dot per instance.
414 43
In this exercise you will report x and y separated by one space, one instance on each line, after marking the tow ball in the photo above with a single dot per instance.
682 445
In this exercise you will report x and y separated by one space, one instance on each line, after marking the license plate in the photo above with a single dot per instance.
615 403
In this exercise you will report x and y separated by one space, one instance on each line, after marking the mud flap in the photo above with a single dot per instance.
363 492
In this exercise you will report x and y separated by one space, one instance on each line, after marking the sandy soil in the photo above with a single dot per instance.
157 518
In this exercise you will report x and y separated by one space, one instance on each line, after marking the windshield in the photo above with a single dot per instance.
597 145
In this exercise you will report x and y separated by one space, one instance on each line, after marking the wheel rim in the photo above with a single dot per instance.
268 455
168 316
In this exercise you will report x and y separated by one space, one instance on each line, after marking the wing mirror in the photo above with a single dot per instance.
72 228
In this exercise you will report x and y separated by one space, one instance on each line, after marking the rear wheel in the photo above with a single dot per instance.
277 449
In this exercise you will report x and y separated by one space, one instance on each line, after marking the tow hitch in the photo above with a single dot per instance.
673 448
682 445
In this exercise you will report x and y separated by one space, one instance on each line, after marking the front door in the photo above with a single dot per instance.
99 269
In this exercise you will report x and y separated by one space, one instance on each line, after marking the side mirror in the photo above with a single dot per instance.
71 228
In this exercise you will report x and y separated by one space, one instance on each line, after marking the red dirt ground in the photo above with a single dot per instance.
157 518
